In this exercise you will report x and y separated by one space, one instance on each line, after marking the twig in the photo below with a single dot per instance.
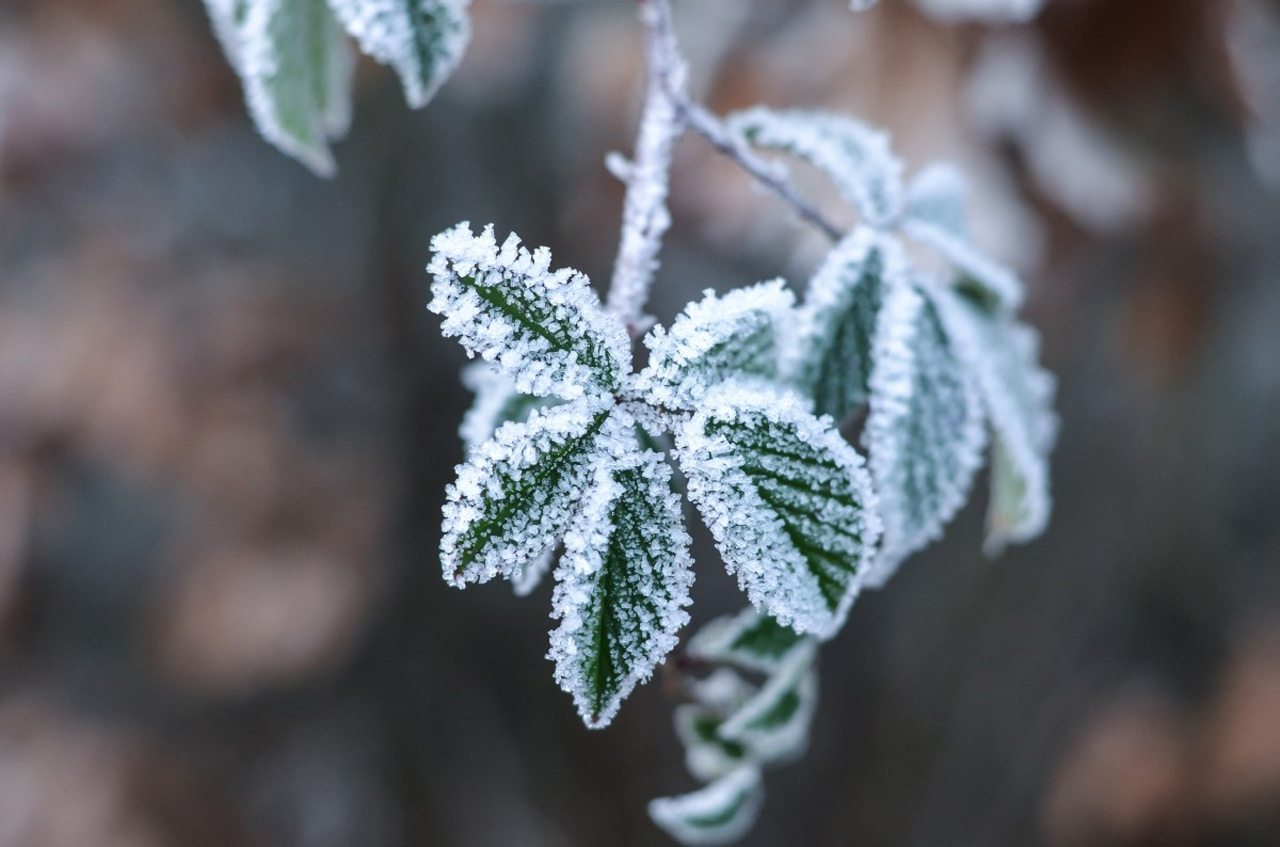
645 217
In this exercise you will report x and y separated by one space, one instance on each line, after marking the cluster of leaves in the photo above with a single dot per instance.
752 387
297 65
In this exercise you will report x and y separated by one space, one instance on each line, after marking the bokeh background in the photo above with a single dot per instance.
227 422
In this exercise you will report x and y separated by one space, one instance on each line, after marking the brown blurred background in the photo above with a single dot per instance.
227 421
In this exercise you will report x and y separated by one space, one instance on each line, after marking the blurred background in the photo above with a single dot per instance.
227 421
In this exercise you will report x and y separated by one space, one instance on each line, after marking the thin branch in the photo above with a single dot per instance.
704 123
645 217
766 173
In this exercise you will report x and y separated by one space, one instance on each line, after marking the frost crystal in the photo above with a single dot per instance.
518 493
717 814
296 67
935 216
545 329
623 583
716 339
497 402
925 431
422 39
832 360
1018 396
856 158
788 501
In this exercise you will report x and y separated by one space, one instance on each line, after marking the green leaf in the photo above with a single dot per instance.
773 726
716 814
788 502
856 157
716 339
518 493
1017 393
926 430
297 69
622 584
747 640
706 755
424 40
546 330
833 354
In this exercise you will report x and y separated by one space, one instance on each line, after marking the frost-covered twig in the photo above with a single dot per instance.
771 176
645 218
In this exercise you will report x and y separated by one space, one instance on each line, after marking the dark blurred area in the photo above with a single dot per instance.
227 422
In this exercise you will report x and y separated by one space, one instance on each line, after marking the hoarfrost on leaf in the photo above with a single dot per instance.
545 329
787 500
925 431
747 640
519 492
1018 396
832 356
707 756
422 39
857 158
497 402
622 583
719 813
716 339
774 724
296 67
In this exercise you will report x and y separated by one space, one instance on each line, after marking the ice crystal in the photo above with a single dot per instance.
622 583
545 329
422 39
788 502
856 157
715 339
925 431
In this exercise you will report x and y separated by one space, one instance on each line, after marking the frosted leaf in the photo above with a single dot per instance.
497 402
925 432
857 158
1018 395
715 339
622 583
748 640
422 39
296 67
832 361
988 11
706 755
935 217
774 724
720 813
788 502
545 329
518 493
